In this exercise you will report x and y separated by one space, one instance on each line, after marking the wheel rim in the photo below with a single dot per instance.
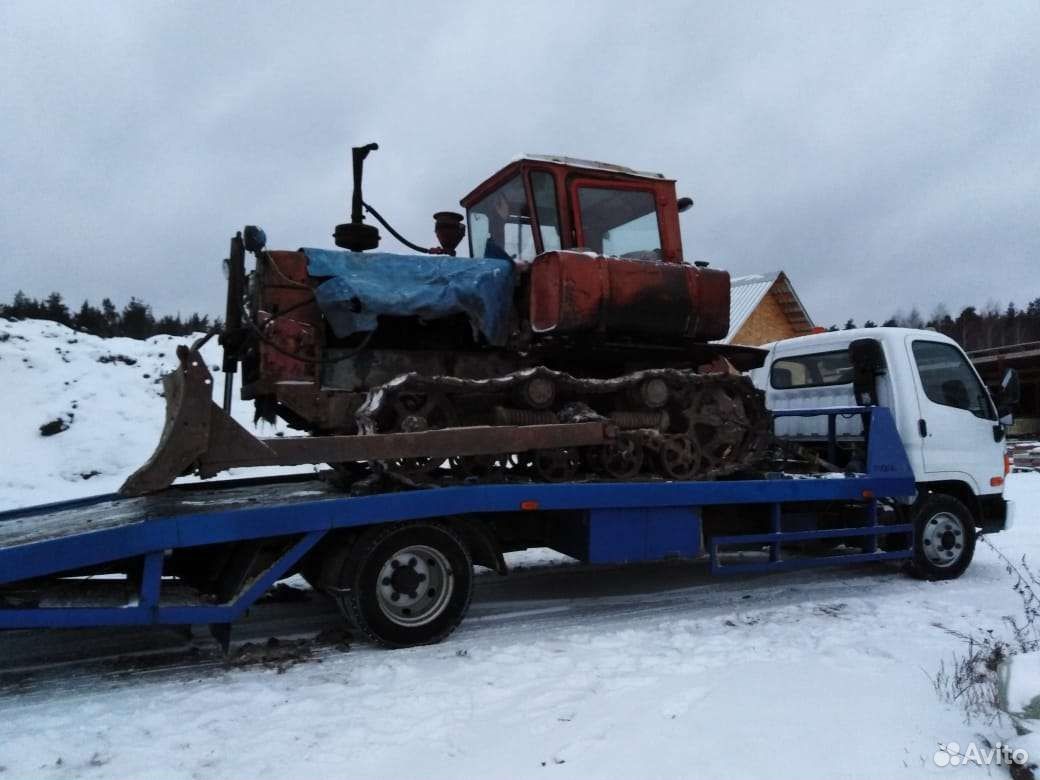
415 585
942 539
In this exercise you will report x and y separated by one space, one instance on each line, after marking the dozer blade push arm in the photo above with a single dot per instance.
201 437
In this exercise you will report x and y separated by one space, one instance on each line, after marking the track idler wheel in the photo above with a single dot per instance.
718 426
421 412
621 459
679 457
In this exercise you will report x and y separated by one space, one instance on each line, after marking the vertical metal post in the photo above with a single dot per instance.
151 580
871 545
774 548
231 338
229 386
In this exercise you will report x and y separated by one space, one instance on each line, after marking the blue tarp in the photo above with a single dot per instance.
361 286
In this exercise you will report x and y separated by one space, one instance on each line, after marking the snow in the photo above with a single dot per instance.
562 671
114 409
1020 681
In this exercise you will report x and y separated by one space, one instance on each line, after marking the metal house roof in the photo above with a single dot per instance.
746 292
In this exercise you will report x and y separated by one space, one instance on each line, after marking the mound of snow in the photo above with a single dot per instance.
83 412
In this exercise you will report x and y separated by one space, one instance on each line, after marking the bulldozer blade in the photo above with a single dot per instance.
185 437
201 437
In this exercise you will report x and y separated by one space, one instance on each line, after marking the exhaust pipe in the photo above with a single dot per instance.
356 235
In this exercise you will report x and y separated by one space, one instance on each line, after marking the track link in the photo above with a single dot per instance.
673 423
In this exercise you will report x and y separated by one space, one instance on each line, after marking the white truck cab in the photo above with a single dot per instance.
950 426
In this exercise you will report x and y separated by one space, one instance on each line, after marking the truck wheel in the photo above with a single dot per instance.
944 538
406 585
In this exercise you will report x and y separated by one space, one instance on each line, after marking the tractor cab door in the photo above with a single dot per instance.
620 219
519 220
500 224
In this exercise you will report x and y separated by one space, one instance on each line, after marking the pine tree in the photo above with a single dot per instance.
111 315
23 307
90 320
197 324
169 326
137 321
55 309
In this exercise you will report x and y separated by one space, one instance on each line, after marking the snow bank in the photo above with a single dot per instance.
101 397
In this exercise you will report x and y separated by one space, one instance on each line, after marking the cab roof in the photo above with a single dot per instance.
840 338
510 170
592 165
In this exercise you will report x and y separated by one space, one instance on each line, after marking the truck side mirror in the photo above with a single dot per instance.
868 362
1009 395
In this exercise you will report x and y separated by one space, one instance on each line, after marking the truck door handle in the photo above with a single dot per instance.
922 426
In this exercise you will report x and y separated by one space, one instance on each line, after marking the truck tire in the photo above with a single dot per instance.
407 584
944 538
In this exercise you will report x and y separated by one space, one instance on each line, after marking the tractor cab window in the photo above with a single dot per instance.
500 224
620 223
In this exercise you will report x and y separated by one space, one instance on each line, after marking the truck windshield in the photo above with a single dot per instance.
949 380
500 224
620 223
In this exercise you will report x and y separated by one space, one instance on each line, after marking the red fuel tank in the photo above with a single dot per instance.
572 292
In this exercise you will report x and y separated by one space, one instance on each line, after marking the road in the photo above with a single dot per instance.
529 599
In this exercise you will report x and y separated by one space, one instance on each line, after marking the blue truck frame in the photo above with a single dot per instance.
619 522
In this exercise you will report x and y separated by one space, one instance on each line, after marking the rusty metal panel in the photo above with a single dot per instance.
285 338
572 292
289 319
709 293
647 297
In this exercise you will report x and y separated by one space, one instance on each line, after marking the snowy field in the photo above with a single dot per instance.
619 673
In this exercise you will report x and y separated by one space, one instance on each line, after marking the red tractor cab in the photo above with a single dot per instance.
538 204
603 247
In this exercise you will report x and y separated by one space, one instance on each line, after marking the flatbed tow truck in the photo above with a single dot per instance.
548 391
239 537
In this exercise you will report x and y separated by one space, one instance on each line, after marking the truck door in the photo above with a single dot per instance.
957 416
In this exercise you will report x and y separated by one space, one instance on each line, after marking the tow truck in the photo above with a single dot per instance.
889 447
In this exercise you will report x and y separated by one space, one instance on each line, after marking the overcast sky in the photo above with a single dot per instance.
885 156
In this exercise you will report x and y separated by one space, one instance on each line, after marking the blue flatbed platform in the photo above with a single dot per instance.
53 540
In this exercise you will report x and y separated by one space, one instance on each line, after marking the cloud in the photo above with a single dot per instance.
883 157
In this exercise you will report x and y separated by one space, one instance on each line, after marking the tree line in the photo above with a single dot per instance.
135 320
974 328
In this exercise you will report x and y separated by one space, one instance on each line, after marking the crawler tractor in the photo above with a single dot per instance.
573 343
